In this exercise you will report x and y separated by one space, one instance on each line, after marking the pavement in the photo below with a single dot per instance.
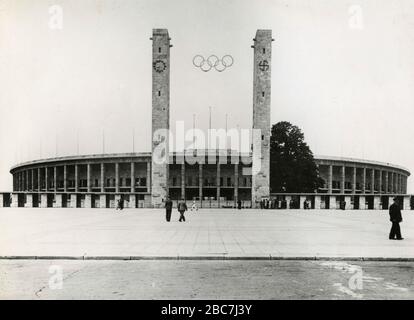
207 234
205 279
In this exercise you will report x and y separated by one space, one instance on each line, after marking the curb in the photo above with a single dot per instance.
208 258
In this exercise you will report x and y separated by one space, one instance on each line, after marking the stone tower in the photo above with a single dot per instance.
261 115
160 115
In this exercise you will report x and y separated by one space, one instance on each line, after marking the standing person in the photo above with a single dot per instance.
239 204
121 204
168 209
395 218
182 207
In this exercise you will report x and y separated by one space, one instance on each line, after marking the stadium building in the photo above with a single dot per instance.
99 181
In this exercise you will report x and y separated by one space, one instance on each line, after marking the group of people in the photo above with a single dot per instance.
274 204
182 208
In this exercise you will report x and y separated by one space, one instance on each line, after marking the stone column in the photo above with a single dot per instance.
183 180
43 200
29 201
288 199
377 203
32 178
407 203
392 182
55 178
380 181
387 189
354 171
88 177
348 204
317 202
343 179
218 184
58 201
149 177
117 177
102 201
400 184
88 201
132 201
73 200
200 182
332 202
1 200
46 179
405 185
65 178
76 178
132 177
236 183
362 203
396 182
372 180
330 173
102 177
14 200
364 180
39 180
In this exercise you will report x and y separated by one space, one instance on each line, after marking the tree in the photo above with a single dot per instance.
292 166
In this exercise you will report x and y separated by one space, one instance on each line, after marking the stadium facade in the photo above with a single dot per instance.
141 180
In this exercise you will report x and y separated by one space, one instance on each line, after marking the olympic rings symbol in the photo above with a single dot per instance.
213 62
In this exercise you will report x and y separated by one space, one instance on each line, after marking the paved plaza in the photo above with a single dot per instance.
208 233
207 279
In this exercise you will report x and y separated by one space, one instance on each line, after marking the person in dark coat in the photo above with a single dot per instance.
168 209
182 207
395 218
239 204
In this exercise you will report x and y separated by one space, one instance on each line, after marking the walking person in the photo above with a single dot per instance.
182 207
168 209
395 218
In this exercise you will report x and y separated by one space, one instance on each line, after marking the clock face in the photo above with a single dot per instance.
159 66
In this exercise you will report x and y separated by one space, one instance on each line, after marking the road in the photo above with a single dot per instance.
205 279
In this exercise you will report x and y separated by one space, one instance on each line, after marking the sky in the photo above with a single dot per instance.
343 71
